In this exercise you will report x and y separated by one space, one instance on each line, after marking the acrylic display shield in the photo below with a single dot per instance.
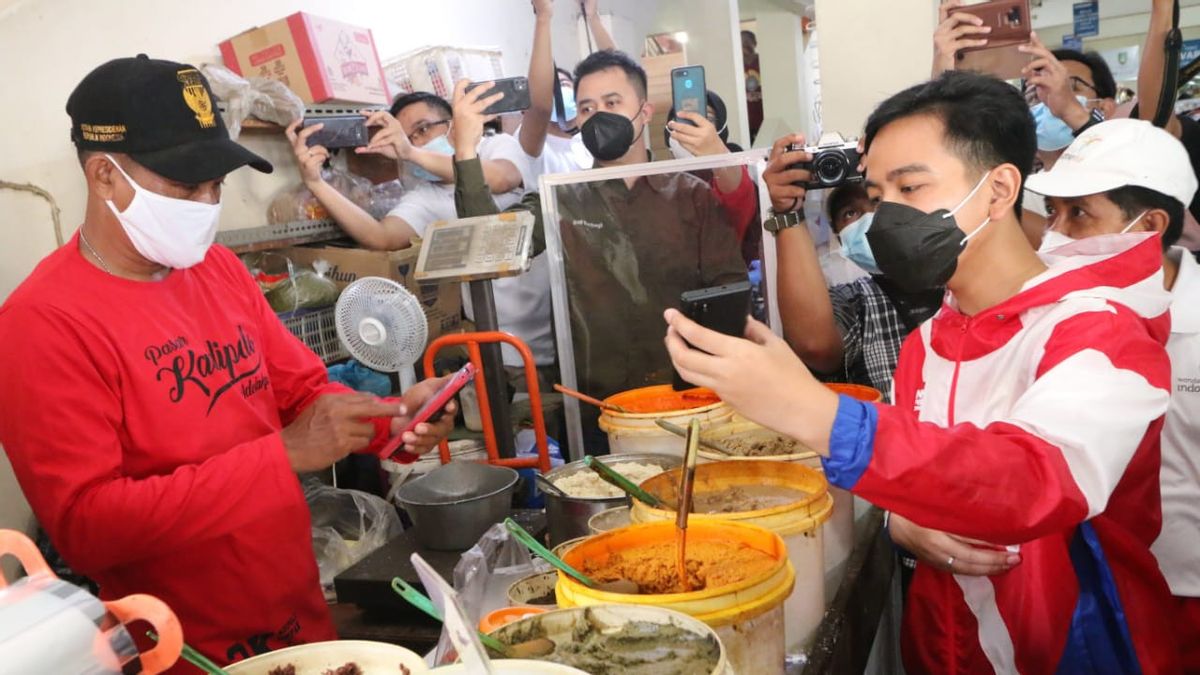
624 243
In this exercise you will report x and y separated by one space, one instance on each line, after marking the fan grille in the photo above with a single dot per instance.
381 323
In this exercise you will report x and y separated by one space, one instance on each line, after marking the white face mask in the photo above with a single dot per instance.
1053 239
176 233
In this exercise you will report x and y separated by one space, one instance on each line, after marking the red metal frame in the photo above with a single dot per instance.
472 342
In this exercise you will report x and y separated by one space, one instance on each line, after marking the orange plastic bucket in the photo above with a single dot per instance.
857 391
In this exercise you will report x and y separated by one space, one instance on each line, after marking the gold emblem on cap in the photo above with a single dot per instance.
197 98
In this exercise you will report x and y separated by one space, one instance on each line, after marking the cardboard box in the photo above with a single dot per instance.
320 59
442 302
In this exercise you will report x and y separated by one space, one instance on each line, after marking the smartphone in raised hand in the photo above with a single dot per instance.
516 95
689 91
433 409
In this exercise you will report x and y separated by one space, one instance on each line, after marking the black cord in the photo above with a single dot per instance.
1170 84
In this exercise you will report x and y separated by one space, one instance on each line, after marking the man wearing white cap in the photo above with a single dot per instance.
1119 178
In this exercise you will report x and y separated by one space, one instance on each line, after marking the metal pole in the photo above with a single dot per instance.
496 378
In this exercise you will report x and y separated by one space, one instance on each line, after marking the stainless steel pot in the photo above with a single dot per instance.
567 517
453 505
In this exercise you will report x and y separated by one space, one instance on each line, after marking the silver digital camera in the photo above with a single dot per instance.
834 162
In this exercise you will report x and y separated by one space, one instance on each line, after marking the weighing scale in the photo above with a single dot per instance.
476 251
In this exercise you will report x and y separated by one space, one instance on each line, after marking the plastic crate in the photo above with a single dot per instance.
436 69
316 329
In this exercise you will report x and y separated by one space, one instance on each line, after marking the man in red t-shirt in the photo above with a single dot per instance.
156 411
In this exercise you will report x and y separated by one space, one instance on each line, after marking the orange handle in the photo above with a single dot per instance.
21 547
155 612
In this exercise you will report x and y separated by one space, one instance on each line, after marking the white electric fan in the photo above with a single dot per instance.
383 326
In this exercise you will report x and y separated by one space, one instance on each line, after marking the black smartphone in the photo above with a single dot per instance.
720 308
516 95
688 91
341 131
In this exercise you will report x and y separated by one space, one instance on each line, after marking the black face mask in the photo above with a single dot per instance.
918 251
608 136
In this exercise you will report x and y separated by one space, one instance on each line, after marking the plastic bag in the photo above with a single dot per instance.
384 197
484 573
265 99
347 526
289 288
297 203
360 378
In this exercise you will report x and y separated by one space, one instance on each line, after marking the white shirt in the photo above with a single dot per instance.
426 202
1178 545
522 302
837 268
561 155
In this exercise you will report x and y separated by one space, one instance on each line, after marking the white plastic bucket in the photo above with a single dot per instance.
639 432
838 531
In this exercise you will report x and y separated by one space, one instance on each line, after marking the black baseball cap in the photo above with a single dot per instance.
162 114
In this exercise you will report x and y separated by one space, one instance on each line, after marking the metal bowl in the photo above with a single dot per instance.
567 517
453 505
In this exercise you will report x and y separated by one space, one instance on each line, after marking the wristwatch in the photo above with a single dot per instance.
782 221
1096 117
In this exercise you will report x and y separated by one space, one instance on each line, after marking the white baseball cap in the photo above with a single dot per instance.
1119 153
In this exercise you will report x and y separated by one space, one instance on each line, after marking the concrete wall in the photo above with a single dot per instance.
869 51
714 41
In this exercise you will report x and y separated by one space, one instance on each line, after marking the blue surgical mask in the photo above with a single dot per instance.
1052 133
440 145
855 246
569 110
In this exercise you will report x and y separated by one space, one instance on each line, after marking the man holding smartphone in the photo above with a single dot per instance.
156 411
1027 413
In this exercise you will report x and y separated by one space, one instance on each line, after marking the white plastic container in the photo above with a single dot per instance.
514 667
560 625
318 657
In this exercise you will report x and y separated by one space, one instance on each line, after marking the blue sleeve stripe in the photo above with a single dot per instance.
852 442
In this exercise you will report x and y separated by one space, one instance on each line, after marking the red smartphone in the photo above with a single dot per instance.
433 409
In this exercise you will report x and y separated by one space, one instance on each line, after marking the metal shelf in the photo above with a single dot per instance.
311 111
269 237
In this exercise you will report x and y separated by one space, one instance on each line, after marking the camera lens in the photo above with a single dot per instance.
830 167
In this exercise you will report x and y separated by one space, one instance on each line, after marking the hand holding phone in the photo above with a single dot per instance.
720 308
342 131
689 91
433 408
516 95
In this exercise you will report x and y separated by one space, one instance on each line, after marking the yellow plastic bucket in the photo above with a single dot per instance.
800 523
747 615
637 431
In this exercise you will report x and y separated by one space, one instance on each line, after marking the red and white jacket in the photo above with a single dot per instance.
1034 424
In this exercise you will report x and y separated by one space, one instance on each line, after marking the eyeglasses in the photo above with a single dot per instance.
1077 82
422 132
